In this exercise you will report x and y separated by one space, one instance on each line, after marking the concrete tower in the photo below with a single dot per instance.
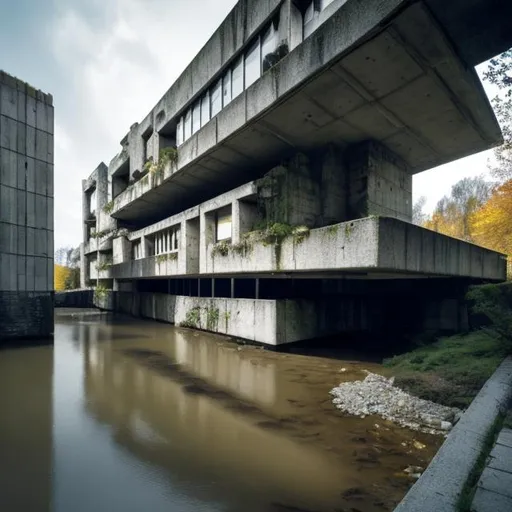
26 211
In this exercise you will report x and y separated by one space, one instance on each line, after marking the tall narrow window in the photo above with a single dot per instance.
216 99
325 3
237 78
179 132
226 88
188 125
223 224
252 64
309 20
268 47
136 250
205 108
176 233
196 117
92 202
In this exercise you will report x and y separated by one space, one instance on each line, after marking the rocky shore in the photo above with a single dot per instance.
376 395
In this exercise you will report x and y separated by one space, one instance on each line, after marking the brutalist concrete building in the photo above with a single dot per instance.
26 211
268 194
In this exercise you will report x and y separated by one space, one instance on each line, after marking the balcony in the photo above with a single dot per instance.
164 265
373 247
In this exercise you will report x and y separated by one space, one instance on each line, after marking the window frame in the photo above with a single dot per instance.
255 48
216 87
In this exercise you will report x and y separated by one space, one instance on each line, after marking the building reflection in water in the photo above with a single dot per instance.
209 448
86 426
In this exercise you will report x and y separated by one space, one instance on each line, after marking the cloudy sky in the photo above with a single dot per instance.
107 63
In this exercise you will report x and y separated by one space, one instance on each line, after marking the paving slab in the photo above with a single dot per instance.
505 437
501 458
496 481
487 501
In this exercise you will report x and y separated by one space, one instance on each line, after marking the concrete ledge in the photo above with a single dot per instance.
442 484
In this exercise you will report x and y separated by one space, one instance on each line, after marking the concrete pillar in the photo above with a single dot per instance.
207 237
189 246
84 271
379 183
26 211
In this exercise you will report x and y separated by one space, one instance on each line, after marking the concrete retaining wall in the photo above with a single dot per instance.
275 322
26 315
442 484
74 299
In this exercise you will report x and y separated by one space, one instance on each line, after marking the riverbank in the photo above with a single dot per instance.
452 370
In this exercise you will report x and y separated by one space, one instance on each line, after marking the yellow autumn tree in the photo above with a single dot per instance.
491 224
61 274
452 215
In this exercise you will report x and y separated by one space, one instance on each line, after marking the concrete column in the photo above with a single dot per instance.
379 183
83 268
235 222
189 246
207 237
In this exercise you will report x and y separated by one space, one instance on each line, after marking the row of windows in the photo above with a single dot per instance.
167 241
246 70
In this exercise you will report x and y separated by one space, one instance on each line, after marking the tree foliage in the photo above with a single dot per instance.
499 74
61 275
67 268
491 224
452 215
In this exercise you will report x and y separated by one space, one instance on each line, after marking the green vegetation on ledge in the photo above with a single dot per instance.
273 234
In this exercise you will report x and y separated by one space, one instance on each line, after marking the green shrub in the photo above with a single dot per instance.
494 303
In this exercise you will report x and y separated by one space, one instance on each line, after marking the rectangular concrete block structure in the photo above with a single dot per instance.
286 151
26 211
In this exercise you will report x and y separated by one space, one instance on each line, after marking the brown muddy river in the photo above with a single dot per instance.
127 415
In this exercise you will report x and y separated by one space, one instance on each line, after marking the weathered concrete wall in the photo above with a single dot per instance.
379 183
277 322
373 244
26 210
74 299
305 190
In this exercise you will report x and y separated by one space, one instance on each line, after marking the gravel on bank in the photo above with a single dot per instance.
377 395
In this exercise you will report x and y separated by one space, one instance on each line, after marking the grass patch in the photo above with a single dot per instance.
452 370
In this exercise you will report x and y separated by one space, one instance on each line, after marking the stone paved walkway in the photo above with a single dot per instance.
494 490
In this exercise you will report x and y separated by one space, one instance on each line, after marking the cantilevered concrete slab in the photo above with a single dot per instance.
371 248
387 72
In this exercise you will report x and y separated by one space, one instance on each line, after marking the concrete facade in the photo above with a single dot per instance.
26 211
286 150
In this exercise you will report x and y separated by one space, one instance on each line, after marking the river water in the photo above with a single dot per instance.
130 415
